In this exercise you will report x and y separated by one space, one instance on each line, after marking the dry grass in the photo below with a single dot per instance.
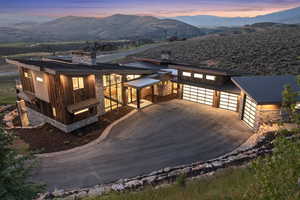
228 184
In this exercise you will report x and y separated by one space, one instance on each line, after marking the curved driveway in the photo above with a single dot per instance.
167 134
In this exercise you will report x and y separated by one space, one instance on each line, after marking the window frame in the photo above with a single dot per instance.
210 77
187 74
198 75
39 79
79 83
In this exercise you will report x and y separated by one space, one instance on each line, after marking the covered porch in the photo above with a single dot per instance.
137 87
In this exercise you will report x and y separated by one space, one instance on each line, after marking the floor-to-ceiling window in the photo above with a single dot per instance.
112 91
131 92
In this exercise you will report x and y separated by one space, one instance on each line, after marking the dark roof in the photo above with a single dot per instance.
185 66
227 87
64 67
146 65
265 89
203 69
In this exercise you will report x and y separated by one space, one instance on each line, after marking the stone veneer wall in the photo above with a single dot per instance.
99 91
268 116
66 128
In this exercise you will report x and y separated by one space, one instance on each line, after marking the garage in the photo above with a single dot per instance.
249 115
198 94
229 101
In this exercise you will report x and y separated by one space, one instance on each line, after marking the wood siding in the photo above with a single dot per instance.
27 83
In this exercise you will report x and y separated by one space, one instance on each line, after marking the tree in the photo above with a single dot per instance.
289 102
15 170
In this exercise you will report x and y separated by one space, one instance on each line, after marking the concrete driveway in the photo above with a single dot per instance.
167 134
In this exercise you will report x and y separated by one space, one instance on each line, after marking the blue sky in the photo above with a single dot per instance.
162 8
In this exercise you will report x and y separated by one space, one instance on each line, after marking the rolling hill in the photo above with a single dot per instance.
291 16
265 52
109 28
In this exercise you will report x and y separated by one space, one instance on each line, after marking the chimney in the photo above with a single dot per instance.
165 55
83 57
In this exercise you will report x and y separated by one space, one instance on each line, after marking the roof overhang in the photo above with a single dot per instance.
265 90
200 70
141 83
17 63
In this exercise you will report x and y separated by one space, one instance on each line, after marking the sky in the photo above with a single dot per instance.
159 8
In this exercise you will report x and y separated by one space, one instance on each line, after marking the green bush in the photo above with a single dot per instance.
181 180
276 176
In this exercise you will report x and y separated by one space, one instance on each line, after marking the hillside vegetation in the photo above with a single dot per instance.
270 51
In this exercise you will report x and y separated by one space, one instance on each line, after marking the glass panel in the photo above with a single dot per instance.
198 75
210 77
188 74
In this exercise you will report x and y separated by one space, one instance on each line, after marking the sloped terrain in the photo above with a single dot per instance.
110 28
272 51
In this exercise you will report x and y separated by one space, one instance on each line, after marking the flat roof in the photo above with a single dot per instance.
142 82
265 89
228 87
64 67
146 65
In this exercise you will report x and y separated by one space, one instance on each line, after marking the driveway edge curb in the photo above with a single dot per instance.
102 137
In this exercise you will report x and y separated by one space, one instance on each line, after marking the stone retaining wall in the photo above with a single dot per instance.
170 174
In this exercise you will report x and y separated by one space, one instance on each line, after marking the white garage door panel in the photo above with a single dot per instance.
198 95
250 112
228 101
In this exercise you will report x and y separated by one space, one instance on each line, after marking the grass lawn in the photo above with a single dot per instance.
228 184
7 90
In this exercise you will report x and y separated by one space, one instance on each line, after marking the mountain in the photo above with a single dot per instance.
11 20
109 28
291 16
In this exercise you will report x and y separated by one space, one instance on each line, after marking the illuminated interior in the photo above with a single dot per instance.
210 77
78 83
196 75
112 91
39 79
250 112
188 74
198 94
229 101
26 75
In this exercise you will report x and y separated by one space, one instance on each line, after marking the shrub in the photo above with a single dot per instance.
276 176
181 180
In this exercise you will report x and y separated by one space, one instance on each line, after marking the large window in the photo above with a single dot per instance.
78 83
112 91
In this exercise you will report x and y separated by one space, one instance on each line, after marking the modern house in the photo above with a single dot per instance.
70 94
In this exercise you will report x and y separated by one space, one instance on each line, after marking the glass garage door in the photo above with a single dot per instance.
229 101
249 112
198 94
